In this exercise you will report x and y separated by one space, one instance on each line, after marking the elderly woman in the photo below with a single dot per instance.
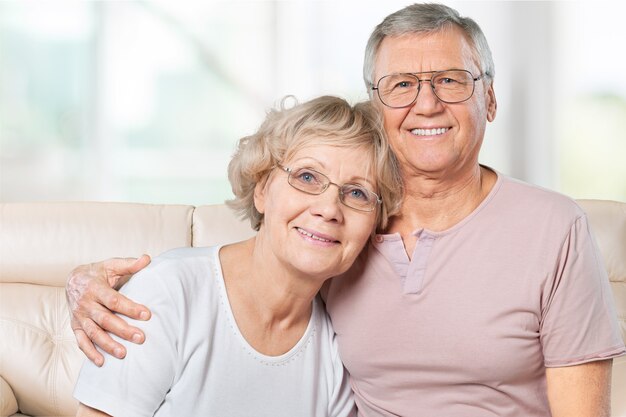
238 330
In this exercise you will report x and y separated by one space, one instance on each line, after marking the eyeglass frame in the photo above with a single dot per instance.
289 172
419 85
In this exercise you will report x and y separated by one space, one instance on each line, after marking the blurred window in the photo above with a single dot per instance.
144 100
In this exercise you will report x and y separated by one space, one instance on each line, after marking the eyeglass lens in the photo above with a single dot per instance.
400 90
352 195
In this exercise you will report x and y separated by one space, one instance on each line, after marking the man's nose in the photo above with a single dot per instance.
426 100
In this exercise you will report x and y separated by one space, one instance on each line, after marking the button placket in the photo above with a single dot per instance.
414 281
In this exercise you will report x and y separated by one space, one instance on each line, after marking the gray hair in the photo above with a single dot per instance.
426 18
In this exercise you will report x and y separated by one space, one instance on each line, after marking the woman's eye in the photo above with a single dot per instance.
306 176
356 193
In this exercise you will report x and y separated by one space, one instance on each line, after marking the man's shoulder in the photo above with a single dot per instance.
537 199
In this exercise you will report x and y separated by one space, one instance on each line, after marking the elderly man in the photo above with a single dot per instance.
485 295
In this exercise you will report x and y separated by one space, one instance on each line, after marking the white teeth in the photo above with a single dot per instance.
312 236
429 132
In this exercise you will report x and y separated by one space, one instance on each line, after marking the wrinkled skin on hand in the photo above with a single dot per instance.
92 298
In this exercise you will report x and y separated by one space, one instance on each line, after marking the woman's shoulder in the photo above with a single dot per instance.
181 269
183 255
179 259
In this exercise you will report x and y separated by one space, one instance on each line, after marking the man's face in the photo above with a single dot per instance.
431 137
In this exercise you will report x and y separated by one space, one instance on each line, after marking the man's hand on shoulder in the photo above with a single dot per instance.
92 298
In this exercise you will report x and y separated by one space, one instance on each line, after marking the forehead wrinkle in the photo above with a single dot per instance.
431 54
305 158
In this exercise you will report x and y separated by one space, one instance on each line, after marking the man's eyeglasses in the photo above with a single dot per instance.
313 182
450 86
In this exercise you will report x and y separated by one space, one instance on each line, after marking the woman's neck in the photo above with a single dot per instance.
271 306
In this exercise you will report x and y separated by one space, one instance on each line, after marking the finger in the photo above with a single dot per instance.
121 304
126 266
88 348
117 326
102 339
139 264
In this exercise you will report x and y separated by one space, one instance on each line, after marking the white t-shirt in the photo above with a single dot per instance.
195 362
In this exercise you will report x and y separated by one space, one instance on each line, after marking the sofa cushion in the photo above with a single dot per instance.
40 243
8 403
217 224
40 358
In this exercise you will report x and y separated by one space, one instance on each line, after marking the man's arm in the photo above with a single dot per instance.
86 411
93 299
580 390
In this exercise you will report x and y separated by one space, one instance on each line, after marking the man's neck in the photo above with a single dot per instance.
437 205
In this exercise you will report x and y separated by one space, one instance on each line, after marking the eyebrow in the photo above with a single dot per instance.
301 163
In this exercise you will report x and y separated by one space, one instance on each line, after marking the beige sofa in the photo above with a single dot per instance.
40 243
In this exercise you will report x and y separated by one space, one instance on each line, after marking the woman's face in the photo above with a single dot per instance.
316 235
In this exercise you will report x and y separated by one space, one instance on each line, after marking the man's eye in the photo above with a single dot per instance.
404 84
447 81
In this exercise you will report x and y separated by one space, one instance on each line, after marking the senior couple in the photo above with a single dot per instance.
457 291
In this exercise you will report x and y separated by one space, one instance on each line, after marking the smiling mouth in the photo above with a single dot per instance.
315 237
430 132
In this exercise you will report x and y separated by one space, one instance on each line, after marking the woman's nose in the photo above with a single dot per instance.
328 204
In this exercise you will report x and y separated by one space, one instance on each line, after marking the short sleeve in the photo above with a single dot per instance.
137 384
578 314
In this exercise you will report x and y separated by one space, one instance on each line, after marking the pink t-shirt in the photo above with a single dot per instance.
468 326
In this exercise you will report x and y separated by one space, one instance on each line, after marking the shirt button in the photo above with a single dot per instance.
379 238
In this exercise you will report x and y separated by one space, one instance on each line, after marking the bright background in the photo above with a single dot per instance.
144 100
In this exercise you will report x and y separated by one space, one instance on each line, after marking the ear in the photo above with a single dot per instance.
492 104
259 195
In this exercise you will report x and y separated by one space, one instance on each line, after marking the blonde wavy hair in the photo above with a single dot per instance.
325 120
